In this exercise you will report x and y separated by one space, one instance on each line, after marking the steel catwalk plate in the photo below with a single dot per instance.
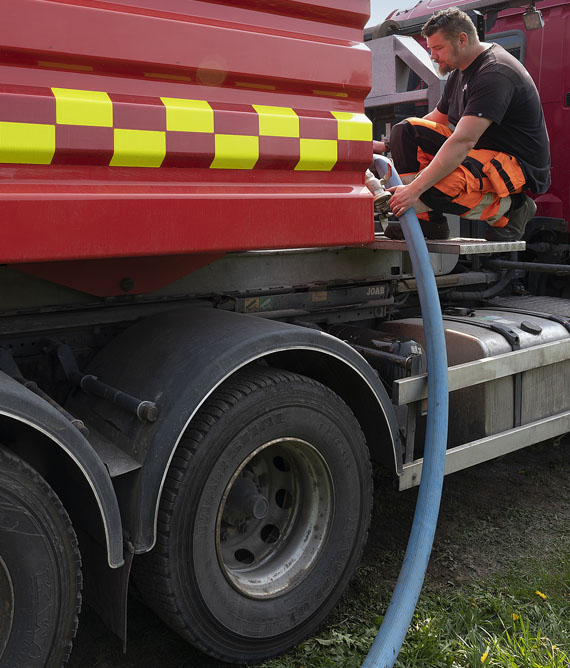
454 246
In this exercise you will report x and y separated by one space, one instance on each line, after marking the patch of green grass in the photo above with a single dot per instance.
503 535
505 623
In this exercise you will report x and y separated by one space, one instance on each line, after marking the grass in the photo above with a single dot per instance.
504 623
497 592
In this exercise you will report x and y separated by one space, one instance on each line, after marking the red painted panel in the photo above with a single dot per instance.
206 52
77 145
235 119
189 150
278 153
337 19
26 104
299 54
119 276
88 226
138 112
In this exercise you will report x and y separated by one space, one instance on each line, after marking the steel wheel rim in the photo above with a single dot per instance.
6 605
272 529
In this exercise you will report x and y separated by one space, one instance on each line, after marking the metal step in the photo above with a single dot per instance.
453 246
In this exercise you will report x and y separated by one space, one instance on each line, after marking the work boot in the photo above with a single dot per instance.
522 210
436 228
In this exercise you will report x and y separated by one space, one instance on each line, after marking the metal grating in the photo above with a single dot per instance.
568 99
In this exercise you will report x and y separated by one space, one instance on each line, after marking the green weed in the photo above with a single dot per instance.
469 627
518 617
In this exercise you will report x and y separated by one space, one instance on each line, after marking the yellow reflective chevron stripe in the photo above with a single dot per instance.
188 115
318 155
277 121
96 127
27 143
83 107
235 152
353 126
138 148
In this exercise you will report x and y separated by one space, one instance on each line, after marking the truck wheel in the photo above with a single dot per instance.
263 517
40 570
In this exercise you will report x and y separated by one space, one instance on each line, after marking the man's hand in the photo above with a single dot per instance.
403 198
379 146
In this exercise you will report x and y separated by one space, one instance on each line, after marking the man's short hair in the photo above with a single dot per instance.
451 22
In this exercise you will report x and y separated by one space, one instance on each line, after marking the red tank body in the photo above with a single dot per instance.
159 135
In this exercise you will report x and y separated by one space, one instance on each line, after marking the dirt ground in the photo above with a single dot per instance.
491 516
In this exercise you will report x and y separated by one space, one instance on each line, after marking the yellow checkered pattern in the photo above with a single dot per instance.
35 143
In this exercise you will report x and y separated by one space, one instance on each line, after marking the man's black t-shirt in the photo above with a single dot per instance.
496 86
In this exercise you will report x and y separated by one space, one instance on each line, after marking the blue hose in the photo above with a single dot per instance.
391 634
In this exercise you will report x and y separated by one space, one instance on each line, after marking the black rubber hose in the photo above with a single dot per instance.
545 268
464 296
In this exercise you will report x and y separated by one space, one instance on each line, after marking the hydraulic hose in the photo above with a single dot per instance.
392 632
465 296
543 267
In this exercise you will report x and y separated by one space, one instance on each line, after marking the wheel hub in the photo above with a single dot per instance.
274 518
244 501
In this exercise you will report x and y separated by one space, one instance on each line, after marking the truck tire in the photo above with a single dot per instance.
263 517
40 570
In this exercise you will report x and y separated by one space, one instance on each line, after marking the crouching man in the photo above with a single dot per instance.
498 149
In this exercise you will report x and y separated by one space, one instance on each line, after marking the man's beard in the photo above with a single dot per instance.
444 68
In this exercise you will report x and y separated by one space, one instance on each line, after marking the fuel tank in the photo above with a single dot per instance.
490 408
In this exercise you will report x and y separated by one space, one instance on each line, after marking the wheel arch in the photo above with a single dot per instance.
41 436
209 346
370 404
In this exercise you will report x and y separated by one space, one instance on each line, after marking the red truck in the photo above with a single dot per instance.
203 340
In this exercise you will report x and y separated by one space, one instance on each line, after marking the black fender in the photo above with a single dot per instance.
177 359
20 404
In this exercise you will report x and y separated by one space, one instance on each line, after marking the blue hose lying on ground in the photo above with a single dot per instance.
391 634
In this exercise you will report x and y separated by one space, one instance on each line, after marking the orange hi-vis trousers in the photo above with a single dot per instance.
479 188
